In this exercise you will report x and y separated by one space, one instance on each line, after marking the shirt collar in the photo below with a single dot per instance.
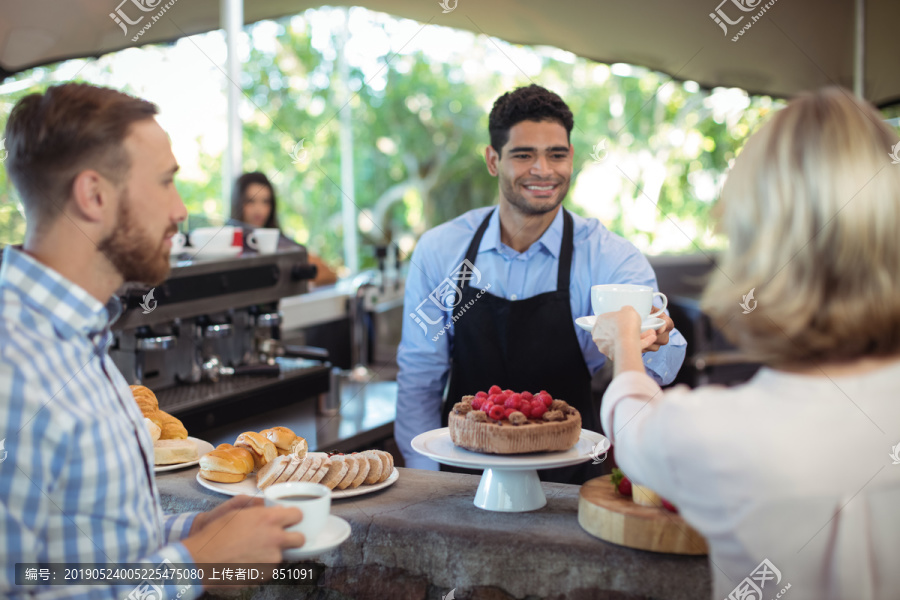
70 309
550 240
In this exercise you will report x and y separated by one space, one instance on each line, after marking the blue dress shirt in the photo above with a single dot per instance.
76 481
425 350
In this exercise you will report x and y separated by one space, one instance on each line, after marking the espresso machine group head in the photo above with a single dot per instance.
207 319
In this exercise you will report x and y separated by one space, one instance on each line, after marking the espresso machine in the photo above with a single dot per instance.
207 341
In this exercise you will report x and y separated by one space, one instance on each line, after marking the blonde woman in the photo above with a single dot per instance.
793 467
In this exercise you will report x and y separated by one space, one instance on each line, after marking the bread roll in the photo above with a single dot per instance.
226 464
173 452
299 448
147 403
241 454
145 398
286 441
172 428
337 469
271 471
262 449
152 428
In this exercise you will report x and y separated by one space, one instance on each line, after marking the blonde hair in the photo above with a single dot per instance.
811 210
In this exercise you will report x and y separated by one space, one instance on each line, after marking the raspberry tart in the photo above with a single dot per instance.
505 422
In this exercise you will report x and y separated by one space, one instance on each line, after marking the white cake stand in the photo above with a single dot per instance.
510 482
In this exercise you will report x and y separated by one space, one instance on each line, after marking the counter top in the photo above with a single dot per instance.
423 536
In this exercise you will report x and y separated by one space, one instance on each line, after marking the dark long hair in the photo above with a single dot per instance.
237 197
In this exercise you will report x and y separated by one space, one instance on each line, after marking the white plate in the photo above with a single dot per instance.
211 253
248 487
336 530
202 448
437 445
587 323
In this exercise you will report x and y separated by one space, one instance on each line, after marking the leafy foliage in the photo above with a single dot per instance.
420 129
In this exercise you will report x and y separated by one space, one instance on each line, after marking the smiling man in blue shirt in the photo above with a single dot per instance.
492 296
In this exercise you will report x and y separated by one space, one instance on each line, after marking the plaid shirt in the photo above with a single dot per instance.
77 482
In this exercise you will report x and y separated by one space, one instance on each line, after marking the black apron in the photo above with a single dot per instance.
523 345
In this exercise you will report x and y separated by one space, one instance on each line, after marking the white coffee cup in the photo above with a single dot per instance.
264 240
178 242
613 296
212 238
316 505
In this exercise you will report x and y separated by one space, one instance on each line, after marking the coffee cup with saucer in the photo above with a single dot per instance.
612 297
322 530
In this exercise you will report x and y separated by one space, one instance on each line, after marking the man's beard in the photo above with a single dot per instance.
524 206
135 255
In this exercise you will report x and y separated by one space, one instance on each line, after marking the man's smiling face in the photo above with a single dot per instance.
534 167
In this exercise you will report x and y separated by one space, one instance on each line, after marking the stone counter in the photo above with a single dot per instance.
423 536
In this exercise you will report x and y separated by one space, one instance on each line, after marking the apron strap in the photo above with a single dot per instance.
472 252
565 254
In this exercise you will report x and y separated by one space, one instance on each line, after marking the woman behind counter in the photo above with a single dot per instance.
791 471
253 203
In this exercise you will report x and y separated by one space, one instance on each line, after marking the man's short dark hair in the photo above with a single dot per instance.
51 137
531 103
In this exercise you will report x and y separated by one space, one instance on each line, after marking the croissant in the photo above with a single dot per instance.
170 427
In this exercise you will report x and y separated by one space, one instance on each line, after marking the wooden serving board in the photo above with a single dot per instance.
608 515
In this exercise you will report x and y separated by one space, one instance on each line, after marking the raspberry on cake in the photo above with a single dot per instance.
506 422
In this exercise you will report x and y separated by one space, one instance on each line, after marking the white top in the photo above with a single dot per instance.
793 469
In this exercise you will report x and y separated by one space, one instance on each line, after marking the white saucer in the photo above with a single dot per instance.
336 530
587 323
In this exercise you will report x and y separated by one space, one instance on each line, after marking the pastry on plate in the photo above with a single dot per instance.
153 429
226 464
286 441
173 452
260 447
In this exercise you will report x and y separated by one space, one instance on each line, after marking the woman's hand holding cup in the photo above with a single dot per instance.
612 328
